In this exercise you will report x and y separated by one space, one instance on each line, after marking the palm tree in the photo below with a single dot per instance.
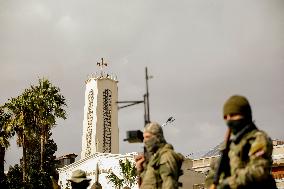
20 122
14 105
6 133
47 105
34 113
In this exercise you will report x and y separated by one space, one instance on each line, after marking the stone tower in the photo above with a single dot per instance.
100 128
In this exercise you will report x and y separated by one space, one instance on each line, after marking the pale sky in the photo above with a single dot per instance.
200 52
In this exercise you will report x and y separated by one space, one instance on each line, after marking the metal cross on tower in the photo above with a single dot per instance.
102 64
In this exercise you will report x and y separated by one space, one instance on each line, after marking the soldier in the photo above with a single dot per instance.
159 167
249 157
79 180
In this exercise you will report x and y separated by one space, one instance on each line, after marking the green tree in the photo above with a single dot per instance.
6 133
115 180
35 177
21 122
128 173
48 104
14 177
34 113
39 178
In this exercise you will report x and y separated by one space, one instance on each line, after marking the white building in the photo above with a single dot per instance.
106 163
100 140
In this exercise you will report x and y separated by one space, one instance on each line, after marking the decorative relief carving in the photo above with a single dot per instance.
107 121
90 117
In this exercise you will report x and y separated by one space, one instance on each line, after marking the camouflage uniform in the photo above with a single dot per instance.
249 158
163 168
162 171
249 162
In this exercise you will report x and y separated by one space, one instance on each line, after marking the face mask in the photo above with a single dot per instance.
236 125
151 144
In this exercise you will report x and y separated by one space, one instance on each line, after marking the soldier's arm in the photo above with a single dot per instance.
141 173
139 161
258 166
168 171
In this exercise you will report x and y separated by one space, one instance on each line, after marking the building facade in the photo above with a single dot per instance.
100 127
191 179
65 160
278 165
105 162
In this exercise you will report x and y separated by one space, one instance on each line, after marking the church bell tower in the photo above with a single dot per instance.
100 127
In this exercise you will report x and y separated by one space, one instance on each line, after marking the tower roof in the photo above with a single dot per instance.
102 74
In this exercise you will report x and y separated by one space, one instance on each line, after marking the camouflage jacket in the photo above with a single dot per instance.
250 161
163 169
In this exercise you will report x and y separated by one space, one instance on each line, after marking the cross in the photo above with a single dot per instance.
102 64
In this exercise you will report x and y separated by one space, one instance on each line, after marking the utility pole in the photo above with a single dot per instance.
136 136
145 100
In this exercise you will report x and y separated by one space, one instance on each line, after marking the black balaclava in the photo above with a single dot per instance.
237 105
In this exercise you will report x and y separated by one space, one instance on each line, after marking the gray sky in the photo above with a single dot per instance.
200 52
